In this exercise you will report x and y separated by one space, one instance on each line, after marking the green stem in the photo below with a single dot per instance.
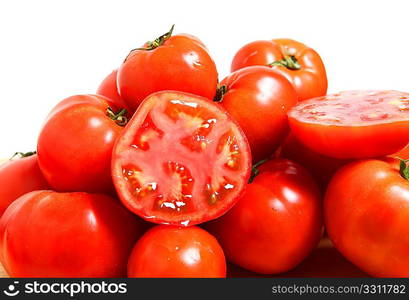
118 117
220 92
403 168
255 171
289 61
150 45
22 154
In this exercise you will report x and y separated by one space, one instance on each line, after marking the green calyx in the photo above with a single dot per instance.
119 117
220 91
255 171
289 61
403 168
150 45
22 154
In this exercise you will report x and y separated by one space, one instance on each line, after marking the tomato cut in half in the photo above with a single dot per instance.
181 160
353 124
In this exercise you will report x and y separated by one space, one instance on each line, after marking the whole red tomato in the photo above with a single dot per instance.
181 160
258 98
19 176
109 89
179 62
276 223
366 216
353 124
168 251
50 234
320 166
299 63
75 144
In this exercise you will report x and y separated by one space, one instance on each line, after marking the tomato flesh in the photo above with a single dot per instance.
181 160
353 124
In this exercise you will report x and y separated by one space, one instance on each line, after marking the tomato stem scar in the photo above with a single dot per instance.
220 92
118 117
289 61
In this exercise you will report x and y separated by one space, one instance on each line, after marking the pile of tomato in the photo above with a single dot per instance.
168 172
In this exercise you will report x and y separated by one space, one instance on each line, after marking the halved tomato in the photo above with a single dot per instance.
353 124
181 160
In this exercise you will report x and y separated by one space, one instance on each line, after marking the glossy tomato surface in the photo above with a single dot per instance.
50 234
168 251
171 62
300 64
181 160
320 166
109 89
19 176
277 222
366 216
353 124
403 154
259 98
75 144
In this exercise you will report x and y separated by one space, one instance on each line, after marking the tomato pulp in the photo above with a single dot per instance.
353 124
181 160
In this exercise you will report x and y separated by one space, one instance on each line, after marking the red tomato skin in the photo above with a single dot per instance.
366 210
109 89
18 177
169 251
309 81
353 142
320 166
75 145
277 222
192 219
258 98
403 154
181 63
50 234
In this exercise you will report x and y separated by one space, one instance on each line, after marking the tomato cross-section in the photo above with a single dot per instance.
181 160
353 124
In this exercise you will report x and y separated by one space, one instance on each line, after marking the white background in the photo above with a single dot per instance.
53 49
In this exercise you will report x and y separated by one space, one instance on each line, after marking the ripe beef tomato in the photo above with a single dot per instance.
366 211
276 223
50 234
168 251
259 98
75 144
181 160
171 62
300 64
